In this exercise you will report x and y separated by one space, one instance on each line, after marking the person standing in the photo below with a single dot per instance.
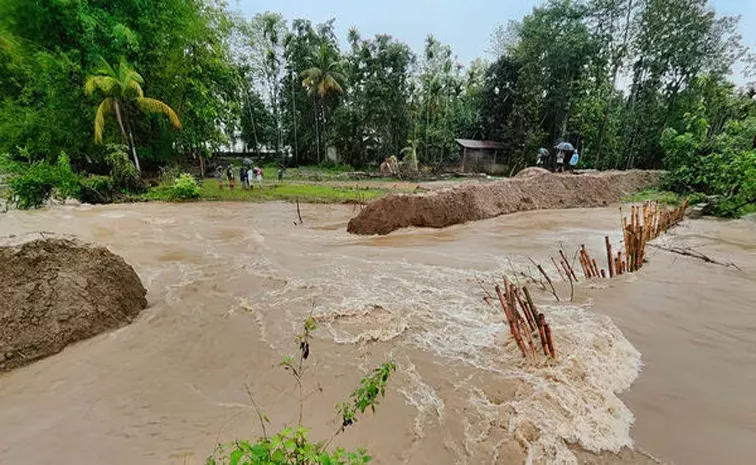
543 155
230 176
560 161
243 177
574 160
219 176
259 177
251 178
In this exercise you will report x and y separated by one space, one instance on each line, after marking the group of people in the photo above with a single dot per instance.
247 177
556 162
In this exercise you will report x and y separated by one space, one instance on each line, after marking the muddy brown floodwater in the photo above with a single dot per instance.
230 283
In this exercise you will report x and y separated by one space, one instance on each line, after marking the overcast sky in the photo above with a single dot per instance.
466 25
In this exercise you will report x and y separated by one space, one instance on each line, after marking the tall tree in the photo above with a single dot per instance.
324 77
123 92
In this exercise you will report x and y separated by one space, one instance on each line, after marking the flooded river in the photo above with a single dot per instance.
229 284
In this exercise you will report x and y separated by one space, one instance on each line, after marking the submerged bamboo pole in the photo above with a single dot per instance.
557 268
525 310
549 340
569 267
609 260
542 333
512 322
594 267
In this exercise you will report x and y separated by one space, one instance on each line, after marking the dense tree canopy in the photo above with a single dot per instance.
609 76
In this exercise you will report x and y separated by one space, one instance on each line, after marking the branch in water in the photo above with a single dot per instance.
688 252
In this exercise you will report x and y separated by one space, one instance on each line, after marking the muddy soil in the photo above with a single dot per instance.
535 189
55 290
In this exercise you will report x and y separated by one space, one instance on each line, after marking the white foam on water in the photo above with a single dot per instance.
348 326
575 398
572 399
422 396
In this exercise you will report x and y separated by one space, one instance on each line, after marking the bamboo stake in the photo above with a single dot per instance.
566 269
542 334
550 342
532 306
543 273
609 261
525 310
569 267
595 267
512 322
529 337
557 268
586 261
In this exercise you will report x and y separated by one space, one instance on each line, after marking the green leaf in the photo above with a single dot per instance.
235 456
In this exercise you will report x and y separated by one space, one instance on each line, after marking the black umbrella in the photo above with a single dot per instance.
247 161
565 147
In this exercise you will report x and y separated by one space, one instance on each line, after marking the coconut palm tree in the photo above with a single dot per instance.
122 88
323 77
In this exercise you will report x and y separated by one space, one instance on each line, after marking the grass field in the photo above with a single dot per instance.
275 191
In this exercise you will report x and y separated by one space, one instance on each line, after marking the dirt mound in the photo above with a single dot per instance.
55 290
534 190
531 171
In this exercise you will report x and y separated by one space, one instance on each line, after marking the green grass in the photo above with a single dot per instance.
670 198
275 191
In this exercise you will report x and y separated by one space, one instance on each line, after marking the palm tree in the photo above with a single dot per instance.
324 76
122 88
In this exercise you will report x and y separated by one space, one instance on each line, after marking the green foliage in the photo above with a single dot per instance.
367 393
124 174
184 187
556 75
39 181
97 189
289 447
721 167
292 445
48 48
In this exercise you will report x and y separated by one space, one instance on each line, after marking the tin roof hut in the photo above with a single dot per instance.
479 156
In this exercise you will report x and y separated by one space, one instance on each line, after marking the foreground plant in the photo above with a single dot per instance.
292 445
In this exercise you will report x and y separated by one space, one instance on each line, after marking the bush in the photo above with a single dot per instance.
184 187
720 169
124 173
33 186
97 189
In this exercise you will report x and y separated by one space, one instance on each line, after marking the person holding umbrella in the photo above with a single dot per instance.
563 149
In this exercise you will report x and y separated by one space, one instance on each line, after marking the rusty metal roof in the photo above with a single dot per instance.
479 144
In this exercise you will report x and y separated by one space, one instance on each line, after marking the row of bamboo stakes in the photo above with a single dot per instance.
646 223
529 330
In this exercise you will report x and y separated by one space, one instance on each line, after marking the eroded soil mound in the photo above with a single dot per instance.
55 290
538 189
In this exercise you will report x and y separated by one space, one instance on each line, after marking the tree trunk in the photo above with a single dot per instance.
129 138
317 133
294 119
133 152
615 70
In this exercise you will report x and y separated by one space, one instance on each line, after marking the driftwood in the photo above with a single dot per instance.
688 252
